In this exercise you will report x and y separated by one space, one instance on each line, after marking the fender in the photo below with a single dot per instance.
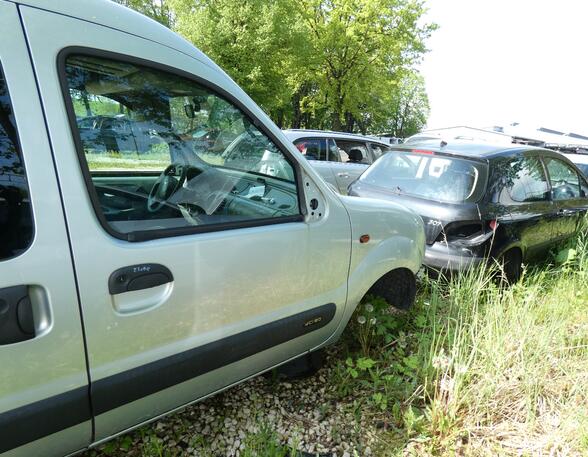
396 240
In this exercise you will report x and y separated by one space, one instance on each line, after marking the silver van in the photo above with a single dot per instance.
139 271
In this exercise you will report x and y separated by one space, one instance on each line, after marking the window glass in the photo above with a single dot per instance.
353 151
527 180
166 152
428 176
16 221
333 152
312 148
378 150
565 182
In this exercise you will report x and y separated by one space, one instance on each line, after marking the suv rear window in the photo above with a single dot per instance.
16 221
429 176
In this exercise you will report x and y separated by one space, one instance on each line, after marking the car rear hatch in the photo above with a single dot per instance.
443 189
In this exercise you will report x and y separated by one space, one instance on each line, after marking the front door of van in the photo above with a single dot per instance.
44 401
195 270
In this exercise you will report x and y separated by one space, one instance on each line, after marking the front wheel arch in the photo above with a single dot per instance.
397 287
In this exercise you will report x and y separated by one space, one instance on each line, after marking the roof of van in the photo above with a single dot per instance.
115 16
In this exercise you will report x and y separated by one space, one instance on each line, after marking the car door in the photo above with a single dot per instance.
568 193
350 171
44 401
192 275
529 213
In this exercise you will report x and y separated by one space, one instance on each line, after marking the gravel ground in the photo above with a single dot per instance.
305 414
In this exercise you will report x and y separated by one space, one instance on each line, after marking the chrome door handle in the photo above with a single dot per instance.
343 175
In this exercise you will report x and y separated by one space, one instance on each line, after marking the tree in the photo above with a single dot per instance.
359 45
404 109
329 64
260 43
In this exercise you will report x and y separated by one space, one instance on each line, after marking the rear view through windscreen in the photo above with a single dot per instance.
429 176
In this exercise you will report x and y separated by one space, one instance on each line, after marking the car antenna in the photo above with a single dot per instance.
443 143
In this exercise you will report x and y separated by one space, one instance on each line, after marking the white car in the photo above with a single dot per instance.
340 158
138 278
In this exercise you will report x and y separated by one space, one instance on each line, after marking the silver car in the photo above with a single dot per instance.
340 158
137 279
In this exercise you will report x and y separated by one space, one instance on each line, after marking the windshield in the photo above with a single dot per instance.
428 176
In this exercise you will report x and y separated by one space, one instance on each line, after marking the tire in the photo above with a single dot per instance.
398 288
512 265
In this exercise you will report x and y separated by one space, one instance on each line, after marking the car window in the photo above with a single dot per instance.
16 221
565 182
164 152
353 151
333 151
315 148
378 150
428 176
526 180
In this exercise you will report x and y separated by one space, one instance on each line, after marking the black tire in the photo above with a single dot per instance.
397 287
512 265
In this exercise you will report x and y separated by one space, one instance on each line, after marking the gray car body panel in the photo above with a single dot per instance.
225 283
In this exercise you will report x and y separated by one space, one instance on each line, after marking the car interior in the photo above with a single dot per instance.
180 179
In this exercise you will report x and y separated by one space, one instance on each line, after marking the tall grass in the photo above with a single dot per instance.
500 370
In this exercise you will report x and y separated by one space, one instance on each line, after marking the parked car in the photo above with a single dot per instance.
338 157
117 134
134 284
477 200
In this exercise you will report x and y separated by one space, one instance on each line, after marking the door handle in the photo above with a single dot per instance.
343 175
16 315
138 277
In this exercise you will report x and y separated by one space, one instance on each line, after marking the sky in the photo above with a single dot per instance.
494 62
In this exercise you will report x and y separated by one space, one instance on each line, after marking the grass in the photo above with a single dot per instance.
479 369
474 369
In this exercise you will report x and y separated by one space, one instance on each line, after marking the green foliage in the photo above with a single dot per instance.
261 44
361 50
340 64
158 10
475 365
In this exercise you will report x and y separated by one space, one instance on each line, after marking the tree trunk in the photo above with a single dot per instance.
336 121
296 111
86 104
349 122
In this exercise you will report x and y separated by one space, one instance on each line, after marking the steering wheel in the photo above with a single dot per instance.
564 191
168 182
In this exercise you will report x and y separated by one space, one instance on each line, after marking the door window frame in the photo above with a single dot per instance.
146 235
541 163
569 164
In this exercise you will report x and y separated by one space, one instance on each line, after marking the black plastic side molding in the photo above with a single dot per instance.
117 390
